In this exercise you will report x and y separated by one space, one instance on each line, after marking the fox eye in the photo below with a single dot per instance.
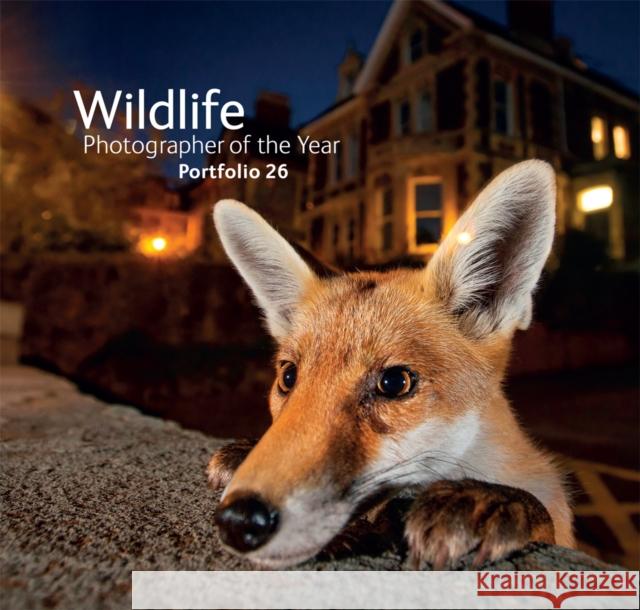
395 382
287 376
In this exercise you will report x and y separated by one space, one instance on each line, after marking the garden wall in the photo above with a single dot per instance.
183 339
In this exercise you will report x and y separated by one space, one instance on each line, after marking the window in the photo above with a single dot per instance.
336 236
428 211
403 118
435 38
316 236
599 137
351 238
541 103
416 45
621 146
336 165
387 236
320 176
503 107
387 219
380 122
387 202
595 202
595 198
390 66
451 97
353 152
424 122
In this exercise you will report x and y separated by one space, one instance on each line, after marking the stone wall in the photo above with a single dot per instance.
179 339
93 491
183 339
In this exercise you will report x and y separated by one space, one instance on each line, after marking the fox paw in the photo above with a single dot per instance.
225 461
453 518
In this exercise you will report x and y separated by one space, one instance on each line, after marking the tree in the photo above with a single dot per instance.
54 197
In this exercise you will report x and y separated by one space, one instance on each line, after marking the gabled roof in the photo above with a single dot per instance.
386 37
497 35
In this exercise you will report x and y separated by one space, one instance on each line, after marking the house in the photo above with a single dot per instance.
276 199
159 225
446 100
170 222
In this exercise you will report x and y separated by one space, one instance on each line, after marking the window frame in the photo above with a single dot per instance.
336 173
410 46
400 102
414 214
353 155
421 94
387 218
320 222
507 106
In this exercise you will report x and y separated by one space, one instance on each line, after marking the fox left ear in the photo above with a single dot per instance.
274 271
486 269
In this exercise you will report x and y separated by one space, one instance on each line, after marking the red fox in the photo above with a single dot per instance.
392 380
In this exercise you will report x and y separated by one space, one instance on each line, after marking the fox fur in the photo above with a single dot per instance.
333 442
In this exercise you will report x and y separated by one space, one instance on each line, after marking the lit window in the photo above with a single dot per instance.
621 145
599 137
425 113
403 119
595 198
503 106
428 204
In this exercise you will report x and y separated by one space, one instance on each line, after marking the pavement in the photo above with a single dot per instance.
92 491
590 420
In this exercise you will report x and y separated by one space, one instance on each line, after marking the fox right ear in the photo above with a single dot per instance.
276 274
486 269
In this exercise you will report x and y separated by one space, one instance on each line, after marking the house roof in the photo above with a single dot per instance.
497 35
492 27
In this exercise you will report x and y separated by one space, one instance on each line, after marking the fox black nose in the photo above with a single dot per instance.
246 523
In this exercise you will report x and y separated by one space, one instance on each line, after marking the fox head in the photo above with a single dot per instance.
382 380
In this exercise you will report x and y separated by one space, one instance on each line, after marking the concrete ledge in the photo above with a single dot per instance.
91 492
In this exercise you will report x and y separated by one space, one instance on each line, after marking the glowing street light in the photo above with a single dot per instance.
154 245
159 243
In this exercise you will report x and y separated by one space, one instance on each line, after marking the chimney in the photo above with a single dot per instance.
531 18
348 72
273 109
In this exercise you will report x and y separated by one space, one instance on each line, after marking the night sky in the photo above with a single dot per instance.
244 47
